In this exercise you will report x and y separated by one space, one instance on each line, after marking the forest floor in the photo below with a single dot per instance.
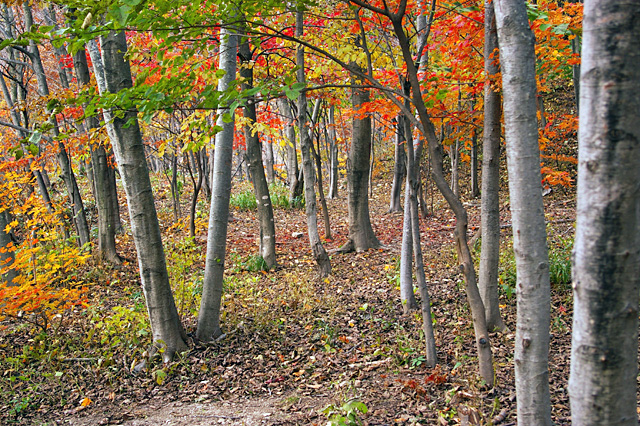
298 349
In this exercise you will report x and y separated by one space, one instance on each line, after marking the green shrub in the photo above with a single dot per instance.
243 200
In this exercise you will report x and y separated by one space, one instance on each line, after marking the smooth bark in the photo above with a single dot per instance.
333 150
128 148
490 201
317 248
606 258
399 167
209 316
254 160
517 60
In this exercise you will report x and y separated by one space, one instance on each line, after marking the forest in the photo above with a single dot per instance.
350 212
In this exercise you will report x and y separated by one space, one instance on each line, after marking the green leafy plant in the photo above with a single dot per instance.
345 415
243 200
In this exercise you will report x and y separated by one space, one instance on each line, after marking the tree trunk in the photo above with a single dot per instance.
606 258
517 60
295 185
319 253
427 326
128 148
460 234
268 161
209 317
75 199
8 273
104 183
195 165
323 201
490 201
399 167
254 160
361 235
333 149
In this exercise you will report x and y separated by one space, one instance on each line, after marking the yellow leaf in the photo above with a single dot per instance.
85 402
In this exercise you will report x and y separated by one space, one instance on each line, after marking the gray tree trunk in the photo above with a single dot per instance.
319 253
361 235
129 152
490 201
399 167
295 186
333 149
104 182
209 316
606 258
254 159
9 273
517 58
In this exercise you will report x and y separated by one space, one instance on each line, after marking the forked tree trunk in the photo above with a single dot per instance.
209 316
128 148
606 258
319 253
361 235
517 59
490 202
256 168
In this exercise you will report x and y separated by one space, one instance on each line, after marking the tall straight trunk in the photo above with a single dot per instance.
517 59
75 198
268 161
606 258
475 188
295 185
333 149
323 200
209 316
431 357
361 235
490 201
319 253
104 182
129 152
399 167
256 168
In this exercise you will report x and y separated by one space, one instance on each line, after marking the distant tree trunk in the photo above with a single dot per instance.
517 60
194 165
490 202
209 316
175 190
361 235
319 253
454 155
254 160
407 295
79 217
399 168
295 185
606 258
8 273
323 201
128 148
333 149
475 189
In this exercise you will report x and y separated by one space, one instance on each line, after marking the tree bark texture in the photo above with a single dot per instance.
606 261
490 201
254 159
128 148
209 316
295 187
517 59
333 149
318 250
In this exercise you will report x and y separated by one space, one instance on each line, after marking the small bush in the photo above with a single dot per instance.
243 200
